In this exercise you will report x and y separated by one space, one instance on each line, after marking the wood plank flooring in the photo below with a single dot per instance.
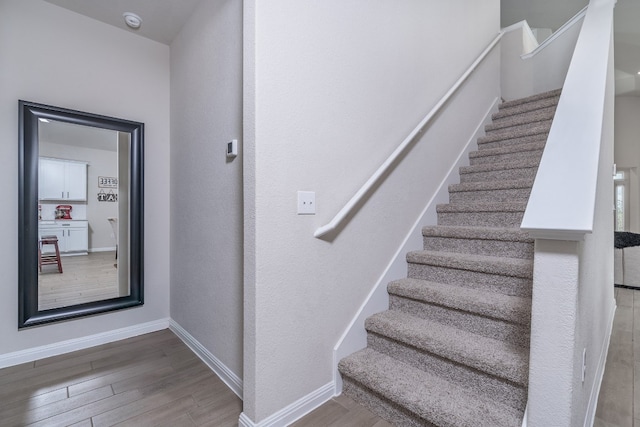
84 278
341 411
619 399
150 380
155 380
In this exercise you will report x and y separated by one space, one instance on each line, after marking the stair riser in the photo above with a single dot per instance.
499 248
499 175
516 334
512 142
472 379
508 195
506 111
473 279
500 158
533 116
383 408
481 219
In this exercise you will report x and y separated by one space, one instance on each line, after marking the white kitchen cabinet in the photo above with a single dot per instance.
73 236
62 180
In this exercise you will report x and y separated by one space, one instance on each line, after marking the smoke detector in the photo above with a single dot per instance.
132 20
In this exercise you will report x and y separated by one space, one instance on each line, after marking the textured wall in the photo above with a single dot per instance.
53 56
206 188
331 89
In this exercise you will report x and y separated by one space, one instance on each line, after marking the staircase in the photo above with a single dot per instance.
453 348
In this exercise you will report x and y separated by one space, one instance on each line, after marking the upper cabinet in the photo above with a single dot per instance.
62 180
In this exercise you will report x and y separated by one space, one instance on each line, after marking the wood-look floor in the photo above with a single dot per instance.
84 278
150 380
341 411
619 399
155 380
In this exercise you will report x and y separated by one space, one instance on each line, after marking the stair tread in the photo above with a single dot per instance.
515 110
491 185
527 117
535 127
494 357
508 308
427 396
482 207
477 233
514 267
533 98
540 129
511 142
510 149
506 165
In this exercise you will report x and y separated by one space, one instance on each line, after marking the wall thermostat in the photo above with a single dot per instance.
232 148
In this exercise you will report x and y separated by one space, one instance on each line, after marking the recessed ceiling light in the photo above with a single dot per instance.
132 20
43 120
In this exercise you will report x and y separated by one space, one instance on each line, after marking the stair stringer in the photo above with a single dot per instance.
354 337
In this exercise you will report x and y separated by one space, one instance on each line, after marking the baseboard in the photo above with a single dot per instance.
226 375
597 383
355 338
68 346
293 412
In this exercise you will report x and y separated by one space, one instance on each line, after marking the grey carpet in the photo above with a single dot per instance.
453 348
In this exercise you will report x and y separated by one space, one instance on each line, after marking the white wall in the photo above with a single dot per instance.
570 215
331 88
627 150
206 188
53 56
527 71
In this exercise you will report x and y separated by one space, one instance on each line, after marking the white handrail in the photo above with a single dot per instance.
381 171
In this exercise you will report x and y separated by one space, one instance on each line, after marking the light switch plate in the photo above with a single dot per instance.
306 203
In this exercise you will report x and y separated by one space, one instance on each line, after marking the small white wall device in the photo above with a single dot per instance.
232 148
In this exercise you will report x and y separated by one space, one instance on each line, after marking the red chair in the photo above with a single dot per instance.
49 258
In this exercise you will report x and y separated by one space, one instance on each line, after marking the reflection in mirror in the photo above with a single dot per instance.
80 214
80 169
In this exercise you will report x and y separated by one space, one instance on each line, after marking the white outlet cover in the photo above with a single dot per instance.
306 203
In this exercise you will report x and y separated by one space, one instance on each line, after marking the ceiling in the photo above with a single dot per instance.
161 19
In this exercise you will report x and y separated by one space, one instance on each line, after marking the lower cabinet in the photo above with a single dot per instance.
73 236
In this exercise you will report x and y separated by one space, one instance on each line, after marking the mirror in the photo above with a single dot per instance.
80 214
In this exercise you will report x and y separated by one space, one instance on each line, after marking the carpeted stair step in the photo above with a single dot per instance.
487 366
502 135
497 191
531 103
534 116
517 131
512 142
507 153
509 276
515 169
507 214
490 314
503 242
415 398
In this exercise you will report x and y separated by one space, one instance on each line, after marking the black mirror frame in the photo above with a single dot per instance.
28 313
